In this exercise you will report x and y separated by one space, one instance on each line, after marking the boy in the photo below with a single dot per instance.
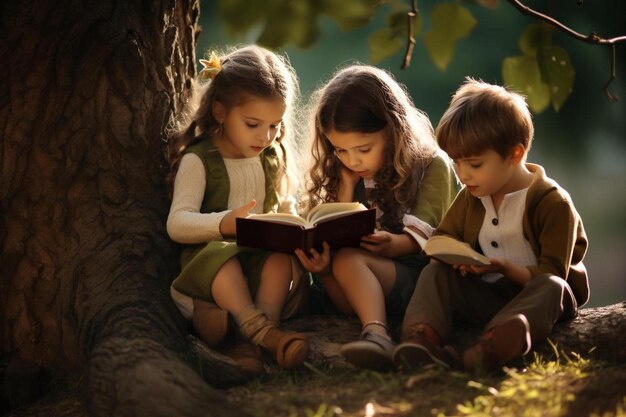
519 218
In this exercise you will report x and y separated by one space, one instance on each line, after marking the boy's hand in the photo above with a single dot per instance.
511 270
317 263
228 225
477 269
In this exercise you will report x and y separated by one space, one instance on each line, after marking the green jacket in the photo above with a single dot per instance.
551 224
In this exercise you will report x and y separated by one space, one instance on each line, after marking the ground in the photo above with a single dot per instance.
561 384
556 385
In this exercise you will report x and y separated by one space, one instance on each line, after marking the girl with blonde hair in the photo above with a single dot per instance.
229 159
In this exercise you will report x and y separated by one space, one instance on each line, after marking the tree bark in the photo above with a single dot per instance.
87 91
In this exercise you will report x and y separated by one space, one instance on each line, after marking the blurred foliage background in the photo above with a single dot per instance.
582 145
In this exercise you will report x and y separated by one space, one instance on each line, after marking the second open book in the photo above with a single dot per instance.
448 250
339 224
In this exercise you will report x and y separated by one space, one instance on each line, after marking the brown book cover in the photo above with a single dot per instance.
285 233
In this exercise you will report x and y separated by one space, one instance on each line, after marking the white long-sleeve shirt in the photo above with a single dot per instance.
186 224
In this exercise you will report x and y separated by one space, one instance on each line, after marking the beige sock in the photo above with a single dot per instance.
272 311
253 323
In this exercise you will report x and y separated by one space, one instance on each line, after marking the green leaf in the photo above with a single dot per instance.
559 74
552 63
349 14
384 43
450 23
521 73
535 36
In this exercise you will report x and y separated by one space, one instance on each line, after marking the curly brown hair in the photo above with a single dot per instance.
366 99
247 71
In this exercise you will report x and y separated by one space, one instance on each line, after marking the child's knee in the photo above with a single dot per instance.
549 284
279 262
345 257
231 266
434 271
346 254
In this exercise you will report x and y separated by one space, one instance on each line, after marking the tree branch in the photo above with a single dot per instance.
611 97
591 38
411 39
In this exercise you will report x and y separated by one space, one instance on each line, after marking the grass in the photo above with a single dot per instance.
546 387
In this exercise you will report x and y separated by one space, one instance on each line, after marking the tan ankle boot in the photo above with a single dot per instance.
289 349
210 322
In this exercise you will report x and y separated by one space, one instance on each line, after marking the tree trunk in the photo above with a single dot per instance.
595 334
86 92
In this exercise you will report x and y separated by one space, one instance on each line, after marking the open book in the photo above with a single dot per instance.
339 224
449 250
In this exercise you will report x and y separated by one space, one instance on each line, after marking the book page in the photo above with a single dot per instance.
285 218
454 252
327 211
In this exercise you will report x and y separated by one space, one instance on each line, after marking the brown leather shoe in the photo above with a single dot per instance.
289 349
421 346
499 345
245 354
210 322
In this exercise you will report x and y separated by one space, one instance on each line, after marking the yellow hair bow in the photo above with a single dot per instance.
211 67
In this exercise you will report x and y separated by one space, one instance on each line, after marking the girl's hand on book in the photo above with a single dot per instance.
228 225
381 243
318 263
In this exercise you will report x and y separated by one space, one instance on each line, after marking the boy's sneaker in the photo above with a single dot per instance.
499 345
373 351
421 346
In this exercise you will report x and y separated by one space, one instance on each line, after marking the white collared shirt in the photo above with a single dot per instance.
501 235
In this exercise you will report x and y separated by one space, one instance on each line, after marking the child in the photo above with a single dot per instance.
371 144
519 218
228 160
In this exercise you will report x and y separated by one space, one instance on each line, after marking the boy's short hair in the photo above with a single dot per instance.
484 116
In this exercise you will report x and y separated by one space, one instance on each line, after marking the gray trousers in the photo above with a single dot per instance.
443 295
